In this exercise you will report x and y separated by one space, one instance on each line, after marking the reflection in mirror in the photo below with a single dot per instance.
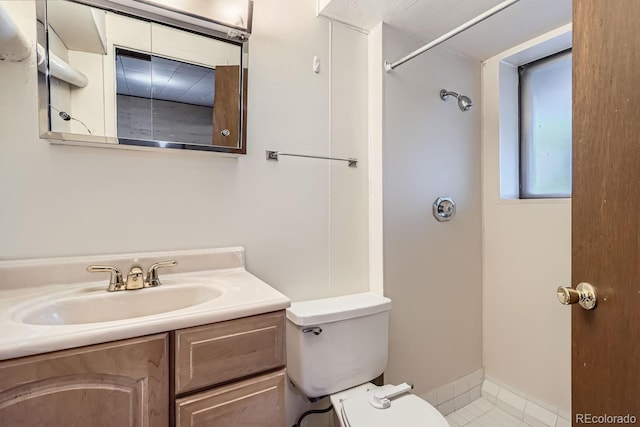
117 79
162 99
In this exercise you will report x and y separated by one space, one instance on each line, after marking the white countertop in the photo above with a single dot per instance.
241 295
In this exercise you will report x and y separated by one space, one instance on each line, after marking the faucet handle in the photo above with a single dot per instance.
152 274
115 282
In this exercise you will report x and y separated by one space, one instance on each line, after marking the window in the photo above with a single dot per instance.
545 127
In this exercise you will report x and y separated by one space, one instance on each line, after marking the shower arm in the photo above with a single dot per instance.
445 93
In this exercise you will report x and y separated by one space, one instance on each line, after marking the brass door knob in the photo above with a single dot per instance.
584 294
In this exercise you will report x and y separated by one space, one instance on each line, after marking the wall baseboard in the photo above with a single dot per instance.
534 412
453 396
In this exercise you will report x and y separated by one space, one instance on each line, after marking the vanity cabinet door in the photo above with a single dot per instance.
123 383
226 351
258 401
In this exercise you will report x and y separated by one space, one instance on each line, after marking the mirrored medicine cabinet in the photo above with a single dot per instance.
116 76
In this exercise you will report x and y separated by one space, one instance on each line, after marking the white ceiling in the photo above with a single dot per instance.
165 79
429 19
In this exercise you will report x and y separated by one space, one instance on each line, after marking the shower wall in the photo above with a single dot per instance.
527 255
432 270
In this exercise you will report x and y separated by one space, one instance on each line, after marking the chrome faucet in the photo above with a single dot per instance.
135 279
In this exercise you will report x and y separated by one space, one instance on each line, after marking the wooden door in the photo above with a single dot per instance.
606 209
226 106
123 383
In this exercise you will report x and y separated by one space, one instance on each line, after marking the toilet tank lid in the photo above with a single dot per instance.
334 309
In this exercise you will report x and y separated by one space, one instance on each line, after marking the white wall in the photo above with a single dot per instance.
63 200
349 186
375 78
526 256
432 270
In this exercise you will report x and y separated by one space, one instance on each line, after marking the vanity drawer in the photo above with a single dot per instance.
213 354
258 401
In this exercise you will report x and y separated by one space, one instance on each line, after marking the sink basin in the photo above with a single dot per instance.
103 306
53 304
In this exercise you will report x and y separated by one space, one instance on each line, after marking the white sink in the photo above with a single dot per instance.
103 306
54 304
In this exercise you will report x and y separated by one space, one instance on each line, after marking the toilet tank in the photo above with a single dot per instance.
337 343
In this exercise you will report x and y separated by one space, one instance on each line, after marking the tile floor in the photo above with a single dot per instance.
482 413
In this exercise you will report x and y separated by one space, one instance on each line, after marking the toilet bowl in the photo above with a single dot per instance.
353 409
335 346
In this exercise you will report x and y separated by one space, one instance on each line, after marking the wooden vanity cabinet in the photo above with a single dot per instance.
122 383
226 374
231 373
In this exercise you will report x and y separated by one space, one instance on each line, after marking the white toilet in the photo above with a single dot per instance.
335 346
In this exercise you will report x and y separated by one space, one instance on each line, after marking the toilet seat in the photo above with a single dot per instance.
353 409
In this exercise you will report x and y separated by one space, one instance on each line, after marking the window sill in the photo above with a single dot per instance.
548 201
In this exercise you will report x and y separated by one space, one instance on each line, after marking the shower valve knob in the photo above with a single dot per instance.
444 208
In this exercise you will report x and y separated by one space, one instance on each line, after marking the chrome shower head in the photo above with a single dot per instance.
464 102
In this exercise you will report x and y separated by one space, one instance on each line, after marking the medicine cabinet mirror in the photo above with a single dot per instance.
112 75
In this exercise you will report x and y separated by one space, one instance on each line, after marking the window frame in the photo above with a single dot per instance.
522 195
